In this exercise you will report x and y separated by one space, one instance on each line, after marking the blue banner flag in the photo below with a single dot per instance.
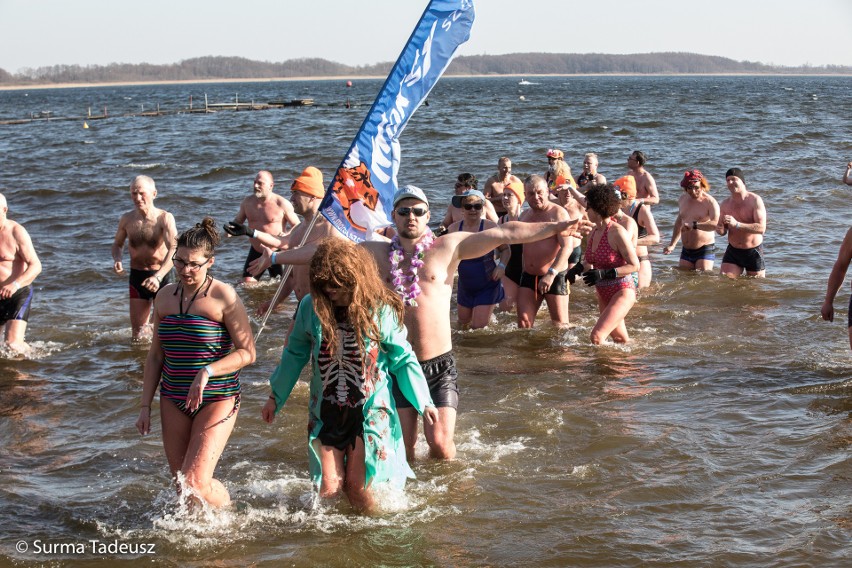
360 196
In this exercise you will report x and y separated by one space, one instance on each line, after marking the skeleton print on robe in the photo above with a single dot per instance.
342 372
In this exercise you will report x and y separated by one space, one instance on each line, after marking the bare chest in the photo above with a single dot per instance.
145 232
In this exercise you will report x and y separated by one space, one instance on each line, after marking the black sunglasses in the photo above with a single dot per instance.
406 211
469 206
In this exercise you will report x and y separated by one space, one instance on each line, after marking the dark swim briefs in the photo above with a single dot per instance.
707 252
137 277
442 378
17 307
558 288
749 259
274 269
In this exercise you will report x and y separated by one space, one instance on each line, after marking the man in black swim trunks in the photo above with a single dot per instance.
545 260
19 266
152 235
743 217
268 212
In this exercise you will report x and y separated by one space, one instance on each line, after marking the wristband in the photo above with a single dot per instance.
209 371
502 265
272 257
16 285
552 271
738 224
159 278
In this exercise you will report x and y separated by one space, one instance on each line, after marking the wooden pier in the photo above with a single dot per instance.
207 108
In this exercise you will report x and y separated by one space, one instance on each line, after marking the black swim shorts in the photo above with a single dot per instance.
749 259
17 307
707 252
274 269
137 277
442 378
558 288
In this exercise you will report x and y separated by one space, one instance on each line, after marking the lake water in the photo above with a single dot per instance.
720 437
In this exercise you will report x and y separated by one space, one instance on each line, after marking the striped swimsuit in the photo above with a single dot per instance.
189 343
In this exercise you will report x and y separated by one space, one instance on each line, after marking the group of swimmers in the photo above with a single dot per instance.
371 377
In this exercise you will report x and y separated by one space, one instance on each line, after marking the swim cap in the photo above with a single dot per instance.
310 182
554 153
735 172
517 188
691 176
627 185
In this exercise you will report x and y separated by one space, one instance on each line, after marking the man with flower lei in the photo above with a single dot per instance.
421 268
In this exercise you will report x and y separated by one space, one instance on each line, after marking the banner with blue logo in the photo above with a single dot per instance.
359 198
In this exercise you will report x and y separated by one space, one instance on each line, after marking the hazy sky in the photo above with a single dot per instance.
36 33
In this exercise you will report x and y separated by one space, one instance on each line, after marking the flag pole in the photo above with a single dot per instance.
286 275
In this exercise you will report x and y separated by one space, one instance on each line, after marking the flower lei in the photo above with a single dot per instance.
397 255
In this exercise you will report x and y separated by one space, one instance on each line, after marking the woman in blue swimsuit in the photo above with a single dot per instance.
479 284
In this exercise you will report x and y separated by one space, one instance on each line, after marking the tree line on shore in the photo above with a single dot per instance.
220 67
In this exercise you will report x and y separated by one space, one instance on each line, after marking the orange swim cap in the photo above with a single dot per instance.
554 153
310 182
627 185
517 188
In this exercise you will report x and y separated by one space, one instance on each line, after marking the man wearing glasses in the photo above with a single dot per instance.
152 235
425 268
698 214
646 187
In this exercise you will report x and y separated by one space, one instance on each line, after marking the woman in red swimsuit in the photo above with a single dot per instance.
610 259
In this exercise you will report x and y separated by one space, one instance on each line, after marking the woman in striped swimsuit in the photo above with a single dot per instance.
610 259
203 339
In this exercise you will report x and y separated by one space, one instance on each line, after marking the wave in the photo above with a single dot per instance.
221 173
145 167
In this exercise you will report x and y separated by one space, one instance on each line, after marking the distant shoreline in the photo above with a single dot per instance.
43 86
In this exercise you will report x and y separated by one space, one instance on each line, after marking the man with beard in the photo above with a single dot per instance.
268 212
306 194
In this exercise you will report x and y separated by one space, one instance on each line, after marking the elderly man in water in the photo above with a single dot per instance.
152 235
